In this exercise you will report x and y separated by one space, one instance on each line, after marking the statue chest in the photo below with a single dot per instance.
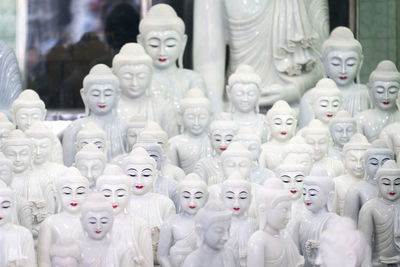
243 9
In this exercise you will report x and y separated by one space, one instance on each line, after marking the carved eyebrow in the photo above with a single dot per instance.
187 192
299 175
231 192
81 187
243 192
199 192
67 187
147 169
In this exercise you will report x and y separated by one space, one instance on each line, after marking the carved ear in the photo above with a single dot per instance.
44 114
180 60
331 205
262 216
359 68
139 39
83 96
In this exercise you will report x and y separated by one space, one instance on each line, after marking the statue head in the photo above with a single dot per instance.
72 190
154 150
243 89
236 194
91 134
5 126
100 92
342 127
115 185
341 57
297 151
292 175
388 180
193 193
273 206
6 169
375 156
383 86
19 149
236 158
42 140
133 67
97 217
154 130
195 111
162 34
65 252
318 137
135 126
142 170
353 155
90 162
318 191
7 204
325 100
27 108
281 121
251 141
221 133
212 225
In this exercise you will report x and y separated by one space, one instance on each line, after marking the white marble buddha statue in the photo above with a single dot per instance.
90 162
100 94
193 144
128 229
16 242
236 196
281 122
177 235
365 189
162 34
270 245
221 133
212 226
5 126
298 151
379 219
353 161
98 249
244 92
342 127
383 86
154 208
134 127
65 252
28 108
92 134
72 192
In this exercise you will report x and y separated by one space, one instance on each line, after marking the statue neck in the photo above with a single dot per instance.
244 116
101 118
272 231
135 100
320 212
167 71
95 242
207 250
348 86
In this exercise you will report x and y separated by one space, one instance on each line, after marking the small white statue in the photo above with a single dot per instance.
236 196
363 190
90 162
244 92
162 34
16 243
98 249
281 122
100 94
391 136
128 229
341 244
379 219
65 252
353 161
134 127
177 235
236 158
298 151
193 144
270 246
383 86
5 126
92 134
212 226
342 127
72 192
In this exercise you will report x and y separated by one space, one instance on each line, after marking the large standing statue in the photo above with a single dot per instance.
279 39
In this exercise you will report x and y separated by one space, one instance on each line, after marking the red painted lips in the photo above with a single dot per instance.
115 206
236 209
343 77
74 204
139 186
222 148
283 133
392 193
192 207
293 191
97 232
162 59
102 106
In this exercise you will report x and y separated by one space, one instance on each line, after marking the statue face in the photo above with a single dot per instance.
142 177
117 195
253 146
5 131
24 117
244 96
101 98
293 182
278 216
373 162
90 168
389 187
72 196
314 198
216 235
354 163
5 209
20 155
5 174
236 199
97 141
131 136
282 127
221 138
97 224
320 144
157 156
326 107
342 66
342 132
237 164
195 120
64 262
134 79
42 151
192 199
303 159
164 47
384 94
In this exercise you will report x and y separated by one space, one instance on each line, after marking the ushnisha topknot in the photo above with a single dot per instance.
358 142
5 122
138 155
90 151
91 130
28 98
280 107
100 73
96 202
319 176
236 149
315 127
389 168
297 145
213 211
378 147
341 38
16 137
194 98
236 180
324 87
38 130
342 116
71 176
113 174
385 71
137 121
131 54
193 180
161 17
271 193
244 74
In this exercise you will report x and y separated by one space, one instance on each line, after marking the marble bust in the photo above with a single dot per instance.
65 252
162 34
298 151
383 86
5 126
134 127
